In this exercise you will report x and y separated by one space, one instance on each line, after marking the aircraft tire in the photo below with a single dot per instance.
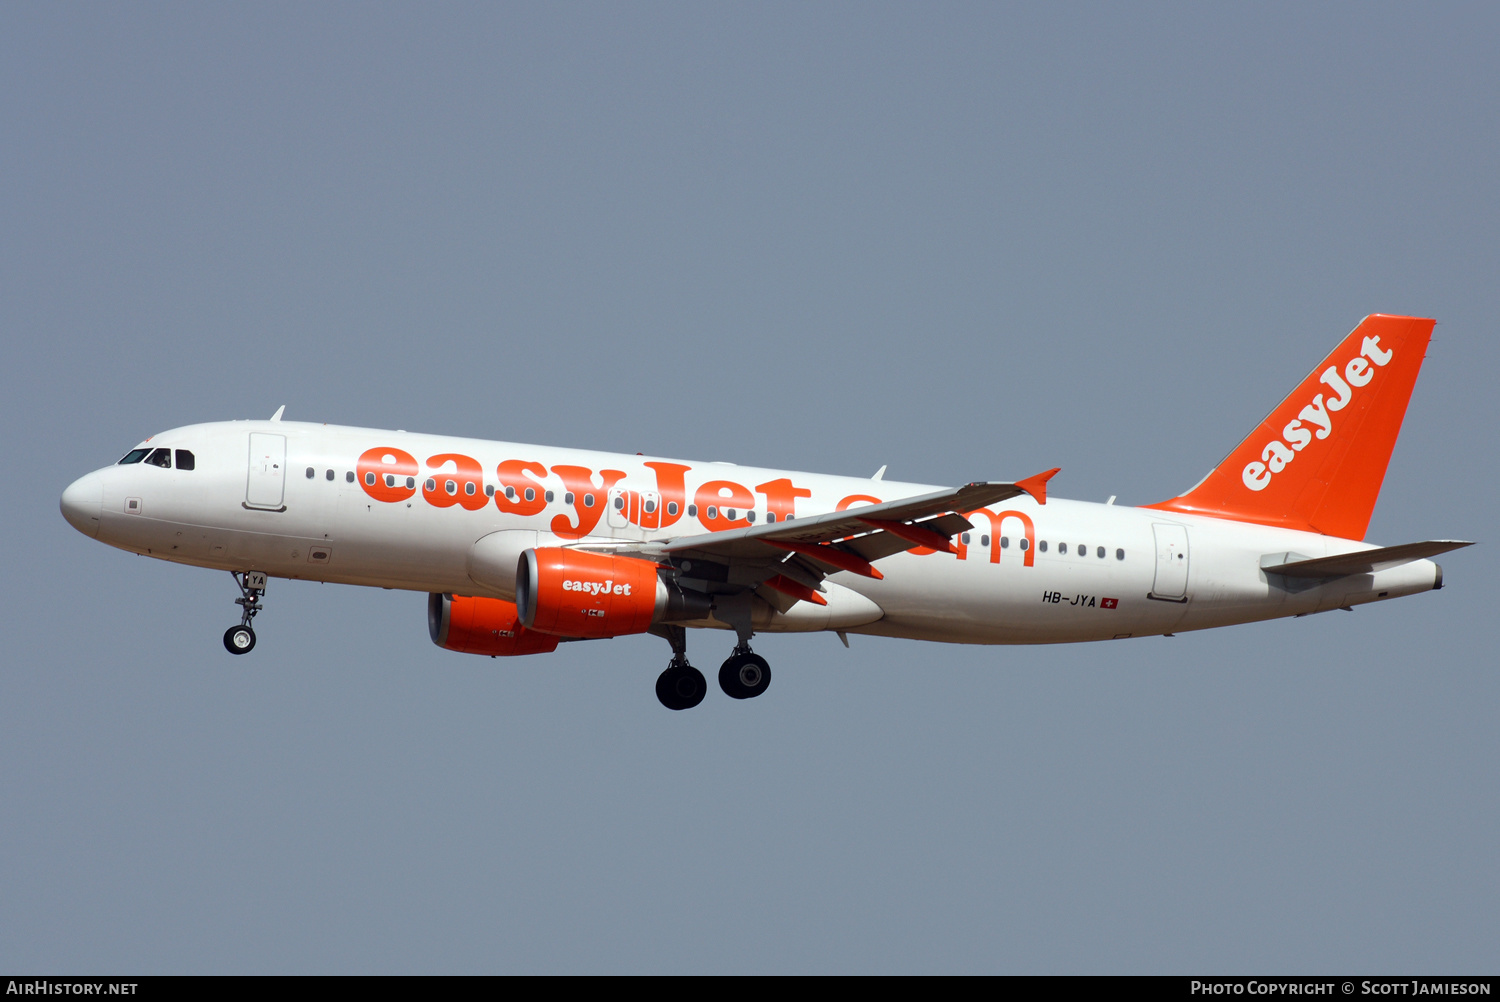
681 687
239 640
744 676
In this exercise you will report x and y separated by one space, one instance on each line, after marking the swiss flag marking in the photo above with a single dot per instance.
1109 603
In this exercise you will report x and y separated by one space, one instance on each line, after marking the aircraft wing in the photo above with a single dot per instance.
926 520
786 562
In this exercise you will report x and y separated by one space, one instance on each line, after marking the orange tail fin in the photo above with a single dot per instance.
1317 462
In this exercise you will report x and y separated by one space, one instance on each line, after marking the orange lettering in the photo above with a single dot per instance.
1028 552
513 476
670 484
713 495
383 473
464 486
781 497
579 480
853 498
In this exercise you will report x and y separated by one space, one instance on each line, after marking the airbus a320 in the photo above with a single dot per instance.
522 547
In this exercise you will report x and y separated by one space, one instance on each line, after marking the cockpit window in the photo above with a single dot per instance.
184 459
160 457
133 456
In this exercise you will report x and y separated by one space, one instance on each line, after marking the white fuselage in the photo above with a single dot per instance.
315 517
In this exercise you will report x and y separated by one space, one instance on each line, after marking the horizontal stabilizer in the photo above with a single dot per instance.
1361 562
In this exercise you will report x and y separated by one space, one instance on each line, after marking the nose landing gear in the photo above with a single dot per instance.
745 675
241 639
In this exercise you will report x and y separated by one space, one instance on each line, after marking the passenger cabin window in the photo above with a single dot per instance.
328 476
1062 547
349 477
671 507
311 473
185 460
548 497
1042 546
133 456
160 457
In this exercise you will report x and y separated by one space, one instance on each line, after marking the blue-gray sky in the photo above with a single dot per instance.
968 241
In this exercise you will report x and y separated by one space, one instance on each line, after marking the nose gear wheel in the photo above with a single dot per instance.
241 639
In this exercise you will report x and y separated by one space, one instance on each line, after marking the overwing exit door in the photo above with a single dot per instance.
266 484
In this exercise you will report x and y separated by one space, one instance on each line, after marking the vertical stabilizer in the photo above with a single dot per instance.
1317 461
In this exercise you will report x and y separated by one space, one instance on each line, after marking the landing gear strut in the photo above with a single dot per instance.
241 639
681 686
745 675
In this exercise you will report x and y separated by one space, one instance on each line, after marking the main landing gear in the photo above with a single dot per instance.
681 687
745 675
241 639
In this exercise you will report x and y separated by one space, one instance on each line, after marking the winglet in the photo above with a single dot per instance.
279 411
1037 486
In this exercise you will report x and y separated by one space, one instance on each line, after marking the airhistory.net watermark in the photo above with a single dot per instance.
41 986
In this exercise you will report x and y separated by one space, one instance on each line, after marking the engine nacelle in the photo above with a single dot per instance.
571 593
482 626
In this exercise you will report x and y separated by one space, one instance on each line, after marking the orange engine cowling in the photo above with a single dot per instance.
482 626
571 593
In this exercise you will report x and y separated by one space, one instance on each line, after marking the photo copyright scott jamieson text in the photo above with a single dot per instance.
1297 986
40 986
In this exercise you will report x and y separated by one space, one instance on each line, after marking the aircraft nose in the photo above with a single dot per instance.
81 503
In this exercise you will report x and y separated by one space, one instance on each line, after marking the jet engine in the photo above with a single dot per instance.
483 626
572 593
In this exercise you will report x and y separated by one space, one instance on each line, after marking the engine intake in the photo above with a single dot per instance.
482 626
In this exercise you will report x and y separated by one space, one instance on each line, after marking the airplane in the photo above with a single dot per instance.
523 547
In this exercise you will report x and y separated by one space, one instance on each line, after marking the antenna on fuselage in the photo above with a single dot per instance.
279 411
